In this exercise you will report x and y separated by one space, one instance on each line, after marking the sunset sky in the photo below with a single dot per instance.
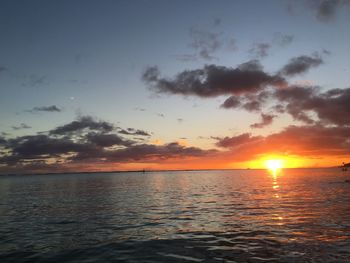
158 84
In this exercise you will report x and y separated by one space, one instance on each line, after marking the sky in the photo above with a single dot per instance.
157 84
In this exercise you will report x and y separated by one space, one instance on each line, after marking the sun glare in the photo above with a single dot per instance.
274 165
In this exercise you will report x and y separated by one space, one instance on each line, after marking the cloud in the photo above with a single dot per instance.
326 9
186 57
282 40
266 119
307 141
2 140
146 153
139 109
85 122
52 108
35 80
304 103
107 140
300 65
252 89
252 105
42 146
232 102
205 43
86 140
132 131
330 107
248 102
235 141
21 127
213 80
260 50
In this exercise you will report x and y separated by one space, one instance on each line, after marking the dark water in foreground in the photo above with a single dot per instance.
214 216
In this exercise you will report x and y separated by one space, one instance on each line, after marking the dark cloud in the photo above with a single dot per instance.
2 141
70 145
160 115
2 69
180 120
132 131
85 122
326 52
330 107
260 50
231 102
326 9
107 140
213 80
249 102
41 145
252 105
149 152
52 108
266 119
295 98
301 64
304 103
235 141
307 141
278 108
21 127
44 151
251 89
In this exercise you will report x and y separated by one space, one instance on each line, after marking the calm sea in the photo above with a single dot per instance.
300 215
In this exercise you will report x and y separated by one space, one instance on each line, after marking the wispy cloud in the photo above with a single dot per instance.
260 50
21 127
52 108
34 80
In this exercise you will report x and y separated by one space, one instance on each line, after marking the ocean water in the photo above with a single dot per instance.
298 215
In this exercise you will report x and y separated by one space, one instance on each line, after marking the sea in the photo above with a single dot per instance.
294 215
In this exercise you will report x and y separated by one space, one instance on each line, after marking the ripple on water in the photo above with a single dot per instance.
227 216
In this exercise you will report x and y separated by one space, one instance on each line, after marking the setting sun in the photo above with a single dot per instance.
274 165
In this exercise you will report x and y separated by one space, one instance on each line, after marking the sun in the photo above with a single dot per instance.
274 165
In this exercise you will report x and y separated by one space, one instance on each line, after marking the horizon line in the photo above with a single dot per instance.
160 170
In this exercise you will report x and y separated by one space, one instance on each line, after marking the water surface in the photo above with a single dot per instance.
300 215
